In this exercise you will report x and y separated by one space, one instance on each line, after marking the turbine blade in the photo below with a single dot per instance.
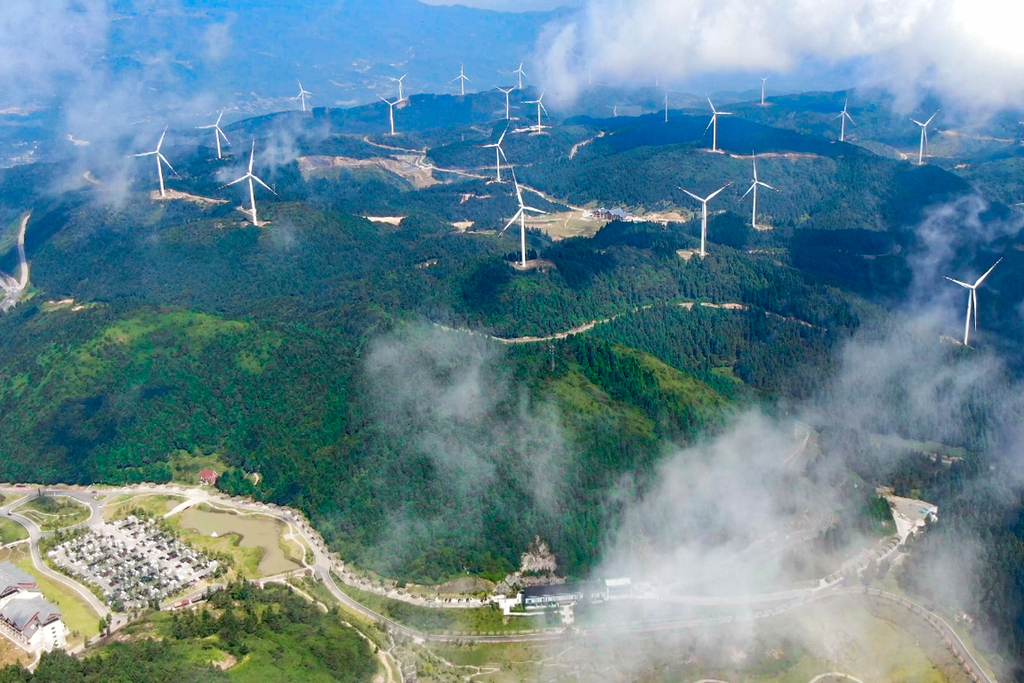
514 219
749 190
710 122
711 196
264 184
712 106
161 139
145 154
987 273
962 284
699 199
766 185
974 298
530 208
917 122
931 117
235 182
164 159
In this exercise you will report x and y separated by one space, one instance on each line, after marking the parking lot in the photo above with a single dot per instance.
133 562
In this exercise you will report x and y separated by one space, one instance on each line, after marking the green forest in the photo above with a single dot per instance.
269 634
354 365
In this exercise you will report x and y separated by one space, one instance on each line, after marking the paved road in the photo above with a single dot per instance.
771 604
35 534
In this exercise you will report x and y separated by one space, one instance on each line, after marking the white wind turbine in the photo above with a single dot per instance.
520 73
844 116
217 133
521 215
12 288
704 220
399 81
924 137
972 301
391 111
762 89
303 93
462 79
540 107
666 106
499 153
160 159
507 92
250 177
714 123
753 188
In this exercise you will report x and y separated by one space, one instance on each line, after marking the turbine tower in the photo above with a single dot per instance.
924 137
499 153
762 89
844 116
391 111
507 92
520 73
521 215
714 123
303 93
753 188
217 133
540 107
250 177
666 106
972 300
704 220
399 81
160 159
462 79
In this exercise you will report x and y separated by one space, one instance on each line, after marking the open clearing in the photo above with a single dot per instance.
403 165
560 226
156 505
54 512
255 541
11 531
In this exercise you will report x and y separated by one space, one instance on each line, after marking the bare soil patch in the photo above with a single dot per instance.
170 195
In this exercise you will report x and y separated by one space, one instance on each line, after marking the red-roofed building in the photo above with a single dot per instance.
208 477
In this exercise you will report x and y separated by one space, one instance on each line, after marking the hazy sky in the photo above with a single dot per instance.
509 5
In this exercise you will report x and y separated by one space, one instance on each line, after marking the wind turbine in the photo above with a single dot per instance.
520 73
666 106
499 153
391 111
160 158
217 133
521 215
753 188
507 117
250 177
972 300
844 116
13 289
540 107
399 80
924 137
704 220
714 122
302 95
762 89
462 79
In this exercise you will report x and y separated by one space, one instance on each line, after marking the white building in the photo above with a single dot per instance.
26 617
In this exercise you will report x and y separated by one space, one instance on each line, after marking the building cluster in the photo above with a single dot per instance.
133 563
26 617
614 214
560 594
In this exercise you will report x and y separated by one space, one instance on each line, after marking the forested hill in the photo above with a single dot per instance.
321 350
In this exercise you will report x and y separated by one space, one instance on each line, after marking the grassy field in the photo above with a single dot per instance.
157 505
77 614
186 466
11 531
254 542
436 620
54 512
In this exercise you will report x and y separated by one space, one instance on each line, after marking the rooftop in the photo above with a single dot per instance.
12 577
20 613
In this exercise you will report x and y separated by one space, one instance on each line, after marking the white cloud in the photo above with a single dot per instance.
968 50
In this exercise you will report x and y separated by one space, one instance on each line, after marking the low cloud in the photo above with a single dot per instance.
966 50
